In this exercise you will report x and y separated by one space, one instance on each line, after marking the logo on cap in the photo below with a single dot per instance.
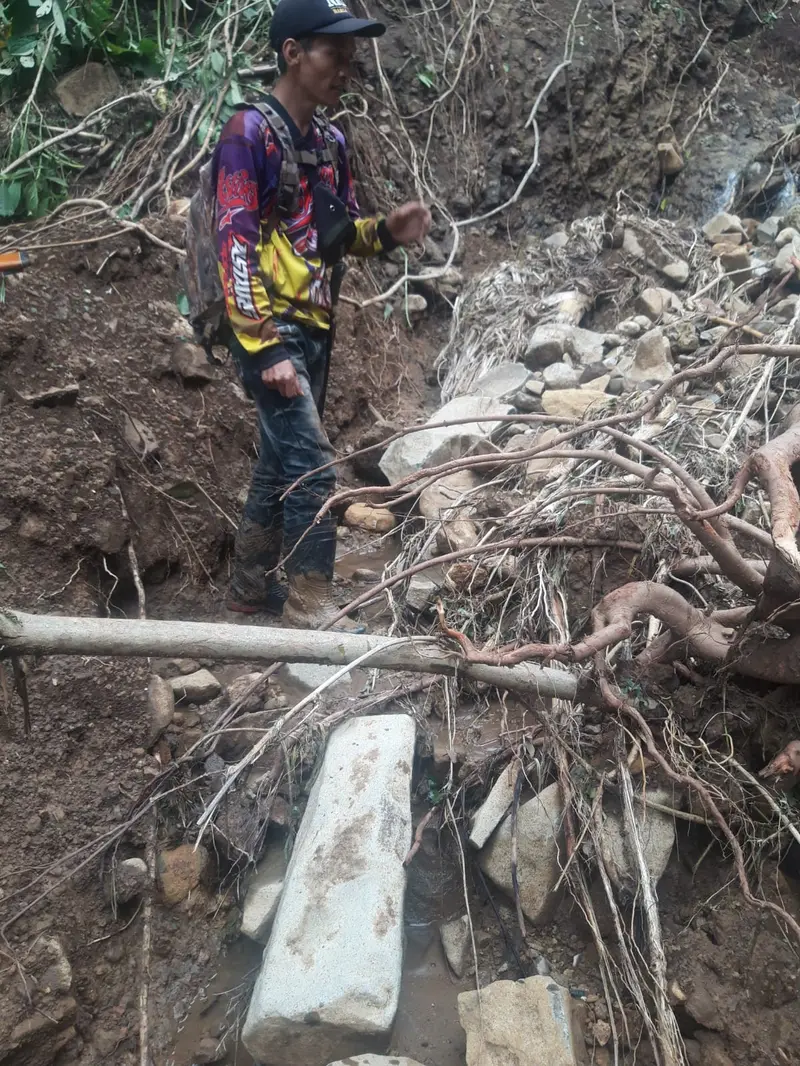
337 7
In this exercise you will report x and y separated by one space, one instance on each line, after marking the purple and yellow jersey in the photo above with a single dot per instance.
269 265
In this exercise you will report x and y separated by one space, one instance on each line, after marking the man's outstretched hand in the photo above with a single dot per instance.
409 223
283 377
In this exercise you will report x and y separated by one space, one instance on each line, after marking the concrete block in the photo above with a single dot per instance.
330 978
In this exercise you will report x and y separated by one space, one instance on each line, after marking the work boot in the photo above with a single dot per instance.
311 605
257 551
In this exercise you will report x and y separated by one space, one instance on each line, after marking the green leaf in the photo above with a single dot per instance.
183 303
58 19
21 46
10 195
387 311
234 95
426 79
32 198
217 62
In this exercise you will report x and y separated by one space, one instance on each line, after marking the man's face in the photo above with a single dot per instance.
324 69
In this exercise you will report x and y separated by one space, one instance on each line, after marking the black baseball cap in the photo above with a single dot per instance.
307 18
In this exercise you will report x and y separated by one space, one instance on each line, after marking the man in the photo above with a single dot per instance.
278 298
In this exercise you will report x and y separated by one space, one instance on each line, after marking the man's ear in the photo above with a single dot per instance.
291 52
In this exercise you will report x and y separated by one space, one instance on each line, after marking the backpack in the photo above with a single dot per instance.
200 269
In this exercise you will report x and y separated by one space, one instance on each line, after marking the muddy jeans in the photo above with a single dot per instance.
292 443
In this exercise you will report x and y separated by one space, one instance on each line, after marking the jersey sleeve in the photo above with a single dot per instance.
372 234
247 188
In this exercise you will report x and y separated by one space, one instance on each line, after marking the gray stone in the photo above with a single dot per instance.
190 362
677 272
524 1023
128 879
571 403
539 837
551 342
457 944
452 490
54 973
308 676
735 261
502 381
683 337
432 446
534 387
539 471
657 833
263 895
376 1060
786 236
652 303
86 88
631 245
199 687
785 309
414 305
557 240
139 437
496 805
161 707
560 376
422 590
720 225
630 327
782 263
652 359
330 977
768 230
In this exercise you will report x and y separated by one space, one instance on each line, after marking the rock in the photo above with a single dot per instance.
86 88
330 977
782 263
539 838
551 342
458 534
58 396
736 264
495 807
560 376
38 1039
571 403
414 306
534 387
502 382
792 217
209 1052
181 871
372 519
701 1005
432 446
236 689
457 944
712 1050
422 591
451 283
376 1060
449 491
557 240
179 209
631 245
785 309
51 965
263 895
630 327
128 879
308 676
139 437
669 158
160 706
190 362
652 303
538 471
721 224
768 230
652 359
601 1033
106 1041
786 236
683 337
677 271
524 1023
657 832
199 687
249 729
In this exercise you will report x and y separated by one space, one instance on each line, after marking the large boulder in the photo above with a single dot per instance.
429 447
330 978
520 1023
539 847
